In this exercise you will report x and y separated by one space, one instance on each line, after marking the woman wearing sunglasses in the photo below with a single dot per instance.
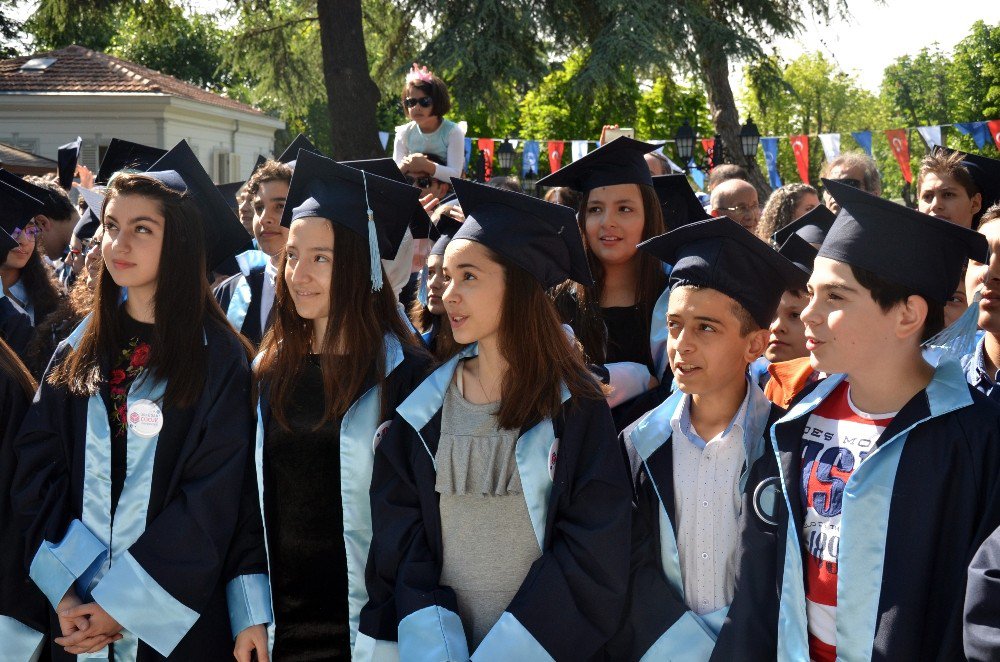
426 101
27 281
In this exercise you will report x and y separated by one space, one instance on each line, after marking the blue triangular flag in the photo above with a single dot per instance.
863 138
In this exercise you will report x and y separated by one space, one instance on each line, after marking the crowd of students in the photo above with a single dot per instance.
369 410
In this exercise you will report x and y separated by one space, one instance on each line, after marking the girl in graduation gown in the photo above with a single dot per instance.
19 210
621 320
501 496
427 312
23 613
130 460
336 363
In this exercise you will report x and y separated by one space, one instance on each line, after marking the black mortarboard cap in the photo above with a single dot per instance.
90 219
540 237
420 224
291 152
17 208
986 174
48 198
261 160
903 246
617 162
721 254
800 253
322 187
811 226
180 170
128 156
68 156
678 202
229 192
446 229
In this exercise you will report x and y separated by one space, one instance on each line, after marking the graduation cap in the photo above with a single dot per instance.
420 224
540 237
919 252
180 170
800 253
128 156
68 156
91 218
811 226
18 208
446 229
985 173
47 197
617 162
677 200
229 192
291 152
345 195
261 160
721 254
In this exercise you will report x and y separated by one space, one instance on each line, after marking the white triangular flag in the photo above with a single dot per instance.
831 145
579 148
931 135
384 137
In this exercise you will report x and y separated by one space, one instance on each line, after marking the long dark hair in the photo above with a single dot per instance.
539 357
650 279
11 366
183 305
359 319
40 284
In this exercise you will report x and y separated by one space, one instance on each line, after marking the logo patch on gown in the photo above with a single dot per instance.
553 456
145 418
379 433
765 500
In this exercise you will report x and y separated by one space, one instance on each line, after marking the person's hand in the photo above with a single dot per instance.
70 625
85 175
102 629
456 213
253 638
604 130
429 202
421 163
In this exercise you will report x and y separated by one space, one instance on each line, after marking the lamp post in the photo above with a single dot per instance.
684 141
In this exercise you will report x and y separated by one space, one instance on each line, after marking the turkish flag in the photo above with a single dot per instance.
800 146
994 126
486 149
900 146
708 144
555 154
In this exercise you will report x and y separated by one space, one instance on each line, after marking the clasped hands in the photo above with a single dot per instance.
86 628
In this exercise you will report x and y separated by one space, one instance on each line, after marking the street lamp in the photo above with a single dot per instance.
749 139
684 139
505 156
529 181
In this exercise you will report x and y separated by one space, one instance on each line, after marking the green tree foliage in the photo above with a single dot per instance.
975 67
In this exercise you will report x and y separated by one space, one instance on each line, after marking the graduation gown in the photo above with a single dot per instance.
572 598
982 603
15 326
360 429
914 513
658 624
161 573
24 615
240 295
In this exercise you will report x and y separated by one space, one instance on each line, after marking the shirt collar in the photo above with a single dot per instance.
271 271
977 372
681 421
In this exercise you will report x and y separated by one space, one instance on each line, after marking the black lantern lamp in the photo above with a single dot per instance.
684 140
749 139
505 156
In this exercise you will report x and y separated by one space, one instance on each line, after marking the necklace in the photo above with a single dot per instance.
483 388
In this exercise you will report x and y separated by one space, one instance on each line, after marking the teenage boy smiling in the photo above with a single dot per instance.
887 468
692 454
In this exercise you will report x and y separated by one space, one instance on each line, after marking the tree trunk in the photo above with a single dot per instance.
715 72
351 95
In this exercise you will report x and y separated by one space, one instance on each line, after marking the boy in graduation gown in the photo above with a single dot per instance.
981 366
693 453
886 470
248 296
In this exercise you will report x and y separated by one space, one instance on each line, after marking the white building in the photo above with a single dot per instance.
48 99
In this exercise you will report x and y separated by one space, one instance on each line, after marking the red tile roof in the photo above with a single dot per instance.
16 159
79 69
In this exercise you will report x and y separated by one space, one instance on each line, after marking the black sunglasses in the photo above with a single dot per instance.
425 102
856 183
419 182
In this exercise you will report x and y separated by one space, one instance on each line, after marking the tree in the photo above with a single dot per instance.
975 73
917 90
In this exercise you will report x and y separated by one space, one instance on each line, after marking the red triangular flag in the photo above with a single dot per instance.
800 146
708 144
555 154
994 126
900 146
486 149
